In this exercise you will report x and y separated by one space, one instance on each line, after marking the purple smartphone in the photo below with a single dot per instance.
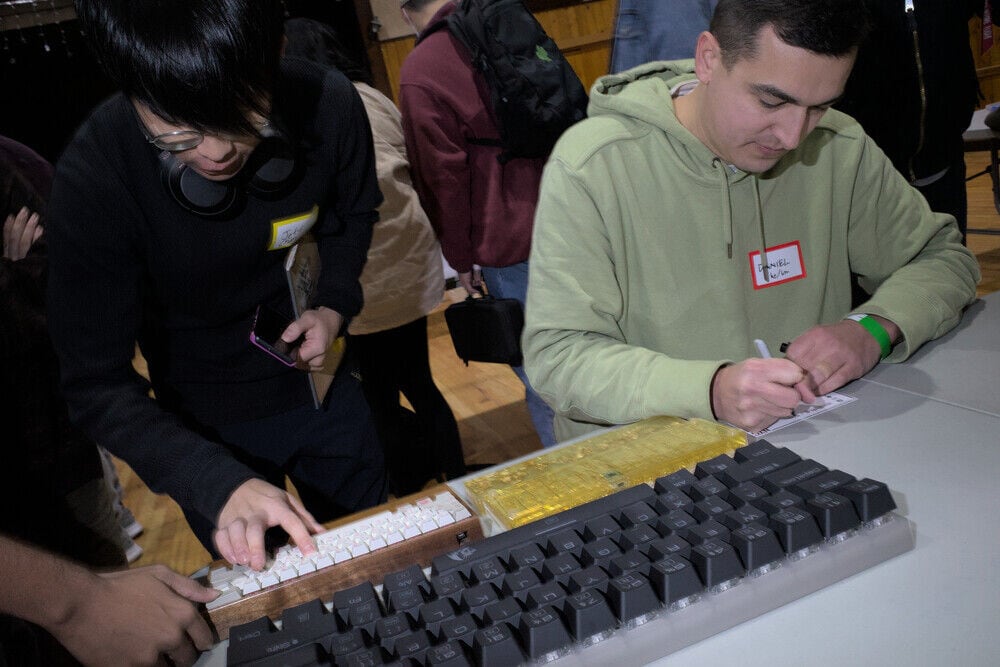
266 335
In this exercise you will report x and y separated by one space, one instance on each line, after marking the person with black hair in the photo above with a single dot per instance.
171 215
715 206
402 282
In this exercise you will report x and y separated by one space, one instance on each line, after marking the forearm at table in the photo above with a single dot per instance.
590 377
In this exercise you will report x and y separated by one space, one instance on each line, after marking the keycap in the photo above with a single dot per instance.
778 501
753 450
248 641
559 568
680 480
716 562
833 513
364 616
590 577
743 516
712 507
529 555
505 611
636 537
550 593
633 561
587 613
461 629
413 645
675 522
871 499
831 480
406 599
542 632
496 646
745 493
714 466
434 613
601 526
796 529
307 622
756 545
405 578
756 467
564 542
486 570
344 599
706 487
449 585
673 579
630 596
674 499
346 643
390 628
517 584
599 552
707 530
636 514
475 598
672 545
793 474
448 654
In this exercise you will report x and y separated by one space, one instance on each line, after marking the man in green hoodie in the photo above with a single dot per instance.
708 203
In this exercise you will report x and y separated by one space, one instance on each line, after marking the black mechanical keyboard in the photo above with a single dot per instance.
661 563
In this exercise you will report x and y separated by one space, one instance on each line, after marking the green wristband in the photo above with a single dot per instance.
876 330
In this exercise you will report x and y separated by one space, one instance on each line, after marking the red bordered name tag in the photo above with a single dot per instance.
784 264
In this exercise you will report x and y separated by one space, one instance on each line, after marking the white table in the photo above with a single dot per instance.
961 368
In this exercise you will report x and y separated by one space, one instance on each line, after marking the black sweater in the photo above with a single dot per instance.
129 264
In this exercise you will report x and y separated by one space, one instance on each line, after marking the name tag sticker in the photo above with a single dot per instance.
285 232
784 264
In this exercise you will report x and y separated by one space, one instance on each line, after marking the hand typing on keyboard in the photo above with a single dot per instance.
254 507
757 528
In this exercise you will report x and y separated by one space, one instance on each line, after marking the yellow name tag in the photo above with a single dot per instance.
285 232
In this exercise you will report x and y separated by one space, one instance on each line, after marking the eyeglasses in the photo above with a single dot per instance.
176 141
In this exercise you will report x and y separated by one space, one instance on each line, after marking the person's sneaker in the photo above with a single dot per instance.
133 552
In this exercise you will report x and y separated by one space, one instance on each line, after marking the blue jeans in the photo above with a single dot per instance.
647 30
511 282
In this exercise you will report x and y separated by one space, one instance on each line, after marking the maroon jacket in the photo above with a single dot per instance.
482 210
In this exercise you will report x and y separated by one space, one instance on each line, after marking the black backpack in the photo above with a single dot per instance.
535 93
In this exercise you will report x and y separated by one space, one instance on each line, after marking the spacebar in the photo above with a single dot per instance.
514 537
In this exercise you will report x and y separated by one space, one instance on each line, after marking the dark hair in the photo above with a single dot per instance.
204 63
827 27
318 42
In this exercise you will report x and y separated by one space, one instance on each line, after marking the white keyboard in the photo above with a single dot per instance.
409 530
339 545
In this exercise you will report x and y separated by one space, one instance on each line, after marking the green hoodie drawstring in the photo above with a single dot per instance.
760 224
727 211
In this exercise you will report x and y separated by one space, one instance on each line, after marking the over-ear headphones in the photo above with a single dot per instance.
272 171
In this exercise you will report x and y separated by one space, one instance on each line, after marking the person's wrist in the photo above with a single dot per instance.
877 331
